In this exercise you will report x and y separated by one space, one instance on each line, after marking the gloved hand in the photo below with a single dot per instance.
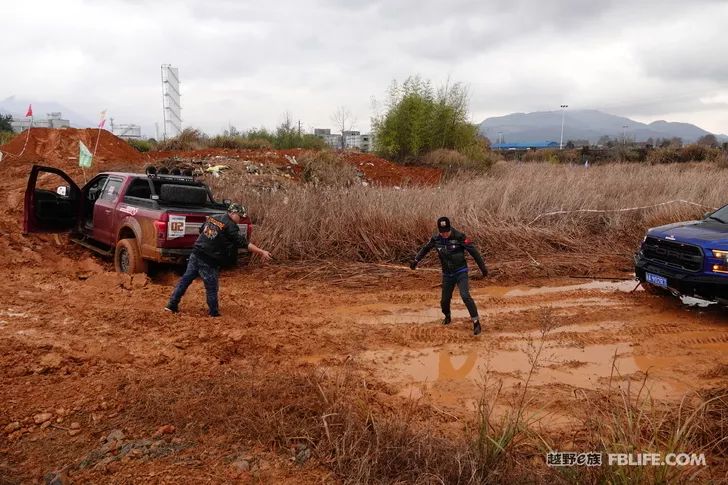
413 264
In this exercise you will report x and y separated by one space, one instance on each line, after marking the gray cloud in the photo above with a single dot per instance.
245 62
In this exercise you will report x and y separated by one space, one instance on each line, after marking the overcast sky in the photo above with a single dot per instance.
246 63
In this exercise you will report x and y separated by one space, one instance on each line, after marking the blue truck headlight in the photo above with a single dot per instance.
720 254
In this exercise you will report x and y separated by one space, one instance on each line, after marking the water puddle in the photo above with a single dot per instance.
455 376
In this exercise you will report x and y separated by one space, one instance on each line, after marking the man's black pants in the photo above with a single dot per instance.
448 286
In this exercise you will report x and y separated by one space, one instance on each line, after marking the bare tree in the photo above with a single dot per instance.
708 140
343 120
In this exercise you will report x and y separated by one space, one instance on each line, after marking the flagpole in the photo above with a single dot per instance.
98 135
100 127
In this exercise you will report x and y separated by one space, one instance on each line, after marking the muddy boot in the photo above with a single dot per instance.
446 320
476 327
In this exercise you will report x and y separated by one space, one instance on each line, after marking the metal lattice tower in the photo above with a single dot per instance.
171 104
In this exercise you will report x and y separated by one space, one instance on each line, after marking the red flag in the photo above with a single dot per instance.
30 111
102 123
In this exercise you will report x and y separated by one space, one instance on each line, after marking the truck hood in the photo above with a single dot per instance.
694 232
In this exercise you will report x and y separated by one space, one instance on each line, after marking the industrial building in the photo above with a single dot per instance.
127 131
53 120
351 139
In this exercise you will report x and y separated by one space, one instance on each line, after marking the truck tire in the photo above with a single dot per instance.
128 258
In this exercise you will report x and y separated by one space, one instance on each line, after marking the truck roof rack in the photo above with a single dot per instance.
174 178
174 175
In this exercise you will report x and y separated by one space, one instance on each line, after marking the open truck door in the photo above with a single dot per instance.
50 209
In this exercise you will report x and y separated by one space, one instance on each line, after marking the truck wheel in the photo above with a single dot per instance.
128 258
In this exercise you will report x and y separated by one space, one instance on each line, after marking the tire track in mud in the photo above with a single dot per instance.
432 335
718 339
650 331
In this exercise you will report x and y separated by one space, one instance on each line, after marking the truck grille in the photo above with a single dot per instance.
673 254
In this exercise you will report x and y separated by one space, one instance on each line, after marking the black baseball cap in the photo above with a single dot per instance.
443 224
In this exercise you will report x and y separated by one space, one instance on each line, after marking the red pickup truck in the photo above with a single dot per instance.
136 218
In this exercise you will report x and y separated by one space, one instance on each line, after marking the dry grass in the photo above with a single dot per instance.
496 209
454 163
336 417
341 419
327 169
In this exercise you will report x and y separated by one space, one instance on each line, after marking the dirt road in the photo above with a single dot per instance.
87 352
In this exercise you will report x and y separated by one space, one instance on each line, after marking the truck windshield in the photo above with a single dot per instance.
721 215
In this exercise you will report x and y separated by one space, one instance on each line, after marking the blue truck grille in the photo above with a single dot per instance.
673 254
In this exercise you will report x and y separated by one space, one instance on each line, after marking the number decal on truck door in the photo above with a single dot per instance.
176 227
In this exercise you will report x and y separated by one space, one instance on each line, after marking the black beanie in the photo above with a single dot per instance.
443 224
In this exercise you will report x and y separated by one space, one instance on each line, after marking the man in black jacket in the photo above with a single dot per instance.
451 246
216 246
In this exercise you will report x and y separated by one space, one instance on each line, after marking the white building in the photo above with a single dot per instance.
53 120
332 140
352 139
127 131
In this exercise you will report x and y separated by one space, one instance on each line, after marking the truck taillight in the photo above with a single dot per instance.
160 228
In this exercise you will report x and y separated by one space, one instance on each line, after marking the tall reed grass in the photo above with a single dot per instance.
497 210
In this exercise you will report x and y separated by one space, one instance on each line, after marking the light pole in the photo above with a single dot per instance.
500 140
624 134
563 116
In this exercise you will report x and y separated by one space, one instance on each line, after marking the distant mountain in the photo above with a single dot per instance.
18 107
582 125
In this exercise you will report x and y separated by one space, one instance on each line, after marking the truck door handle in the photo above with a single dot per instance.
108 211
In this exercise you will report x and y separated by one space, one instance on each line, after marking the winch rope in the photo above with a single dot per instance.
628 209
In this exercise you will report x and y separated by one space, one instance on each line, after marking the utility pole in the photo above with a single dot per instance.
299 128
624 134
563 116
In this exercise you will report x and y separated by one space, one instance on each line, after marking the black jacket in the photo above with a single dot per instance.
219 241
452 252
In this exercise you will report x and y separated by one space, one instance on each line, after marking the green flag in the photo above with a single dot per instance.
84 156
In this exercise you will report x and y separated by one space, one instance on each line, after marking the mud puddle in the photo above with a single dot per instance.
457 377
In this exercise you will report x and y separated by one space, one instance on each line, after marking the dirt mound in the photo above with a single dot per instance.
384 172
376 170
60 148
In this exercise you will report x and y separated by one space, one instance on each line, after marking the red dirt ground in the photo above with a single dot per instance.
59 148
87 352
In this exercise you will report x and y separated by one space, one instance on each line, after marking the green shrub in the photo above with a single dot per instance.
419 120
189 139
225 141
255 143
141 145
6 136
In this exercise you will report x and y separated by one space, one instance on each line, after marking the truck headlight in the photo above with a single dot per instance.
720 254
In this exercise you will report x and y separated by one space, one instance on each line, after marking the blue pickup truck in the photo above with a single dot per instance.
687 258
